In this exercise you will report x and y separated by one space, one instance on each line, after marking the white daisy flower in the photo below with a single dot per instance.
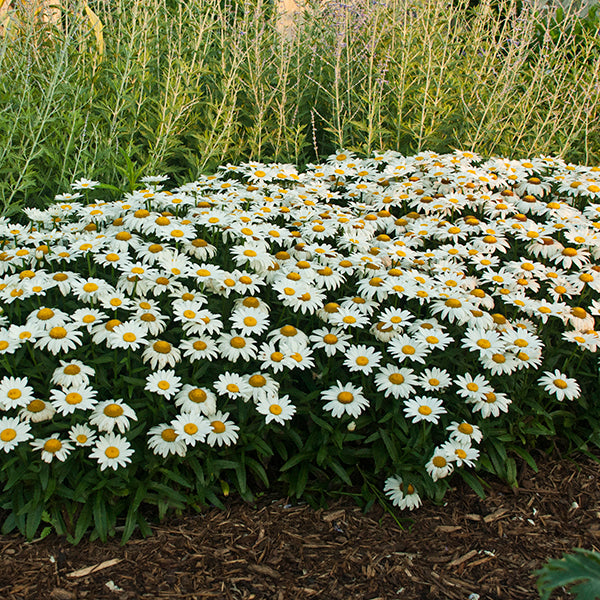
406 347
249 321
362 358
439 465
402 495
163 382
191 427
464 432
344 399
82 435
13 432
278 409
67 400
37 411
395 381
15 392
52 447
492 403
72 373
112 413
112 451
274 357
160 353
129 336
332 340
233 386
424 408
559 385
60 339
434 379
196 399
223 432
461 453
163 440
199 348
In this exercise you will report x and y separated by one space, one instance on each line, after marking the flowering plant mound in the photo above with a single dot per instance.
381 323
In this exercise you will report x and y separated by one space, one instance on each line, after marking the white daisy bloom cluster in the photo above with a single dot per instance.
414 285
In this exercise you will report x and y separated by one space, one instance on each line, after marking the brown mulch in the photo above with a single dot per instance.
467 548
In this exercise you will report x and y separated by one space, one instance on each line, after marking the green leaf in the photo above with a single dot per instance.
581 570
340 471
473 481
100 517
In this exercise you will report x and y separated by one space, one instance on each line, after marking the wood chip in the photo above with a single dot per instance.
97 567
463 558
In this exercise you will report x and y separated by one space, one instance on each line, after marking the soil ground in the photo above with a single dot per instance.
467 548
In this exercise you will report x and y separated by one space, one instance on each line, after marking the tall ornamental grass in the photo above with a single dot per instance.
371 327
182 87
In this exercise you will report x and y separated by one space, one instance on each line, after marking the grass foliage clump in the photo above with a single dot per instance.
364 326
182 87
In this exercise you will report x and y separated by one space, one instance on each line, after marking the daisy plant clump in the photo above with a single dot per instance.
371 325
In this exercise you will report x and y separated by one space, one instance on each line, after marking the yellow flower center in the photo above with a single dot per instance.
484 344
44 314
257 381
113 410
579 312
8 435
57 333
499 358
237 342
460 453
349 319
453 303
14 393
129 337
465 428
197 395
199 345
233 388
36 406
472 386
162 281
148 318
560 383
362 361
3 345
112 257
396 378
90 287
155 248
439 462
410 350
245 280
73 398
277 357
168 434
162 347
275 409
163 385
190 428
569 252
112 452
434 381
490 397
217 426
345 397
425 410
52 445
